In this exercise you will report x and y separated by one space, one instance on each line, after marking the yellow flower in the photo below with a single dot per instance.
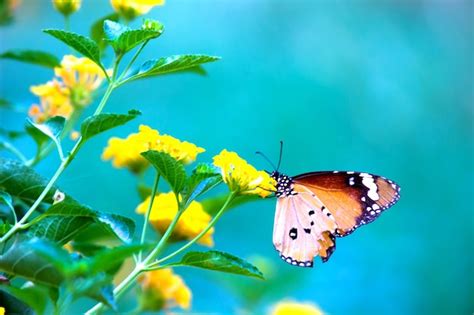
130 9
163 289
126 152
190 224
294 308
242 177
67 7
82 76
54 101
79 77
2 311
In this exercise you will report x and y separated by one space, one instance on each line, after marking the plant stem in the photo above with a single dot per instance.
64 163
105 98
146 263
203 232
148 211
130 279
76 114
67 23
133 60
19 224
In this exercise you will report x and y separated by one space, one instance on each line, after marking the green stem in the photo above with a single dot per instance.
116 67
133 60
203 232
148 211
105 98
146 263
41 154
19 224
163 240
130 279
67 23
64 163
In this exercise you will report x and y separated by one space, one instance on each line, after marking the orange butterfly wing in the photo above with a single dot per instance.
313 208
353 198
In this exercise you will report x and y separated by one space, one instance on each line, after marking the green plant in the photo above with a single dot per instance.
51 245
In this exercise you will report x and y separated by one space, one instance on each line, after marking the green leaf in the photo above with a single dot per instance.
123 39
50 129
84 45
6 199
220 261
97 29
23 261
4 228
113 30
84 274
87 249
94 125
13 305
63 220
170 64
97 233
36 57
23 182
33 296
122 226
205 177
170 169
54 254
98 287
107 259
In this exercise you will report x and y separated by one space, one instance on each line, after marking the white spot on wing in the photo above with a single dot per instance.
370 183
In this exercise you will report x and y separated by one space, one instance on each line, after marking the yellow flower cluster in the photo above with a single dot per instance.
76 79
164 289
2 310
67 7
81 76
54 101
294 308
130 9
242 177
190 224
126 152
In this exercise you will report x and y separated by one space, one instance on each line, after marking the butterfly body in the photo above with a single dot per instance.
315 208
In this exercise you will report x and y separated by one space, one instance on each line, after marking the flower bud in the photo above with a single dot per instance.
152 25
67 7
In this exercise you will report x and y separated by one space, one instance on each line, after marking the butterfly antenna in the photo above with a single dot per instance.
266 158
281 153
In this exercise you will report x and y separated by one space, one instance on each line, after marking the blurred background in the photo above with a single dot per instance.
378 86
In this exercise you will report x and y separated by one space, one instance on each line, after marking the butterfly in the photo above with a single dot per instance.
314 208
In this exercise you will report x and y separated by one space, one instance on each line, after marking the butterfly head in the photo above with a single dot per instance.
284 184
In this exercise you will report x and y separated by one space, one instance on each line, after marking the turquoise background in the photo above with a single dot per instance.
382 87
